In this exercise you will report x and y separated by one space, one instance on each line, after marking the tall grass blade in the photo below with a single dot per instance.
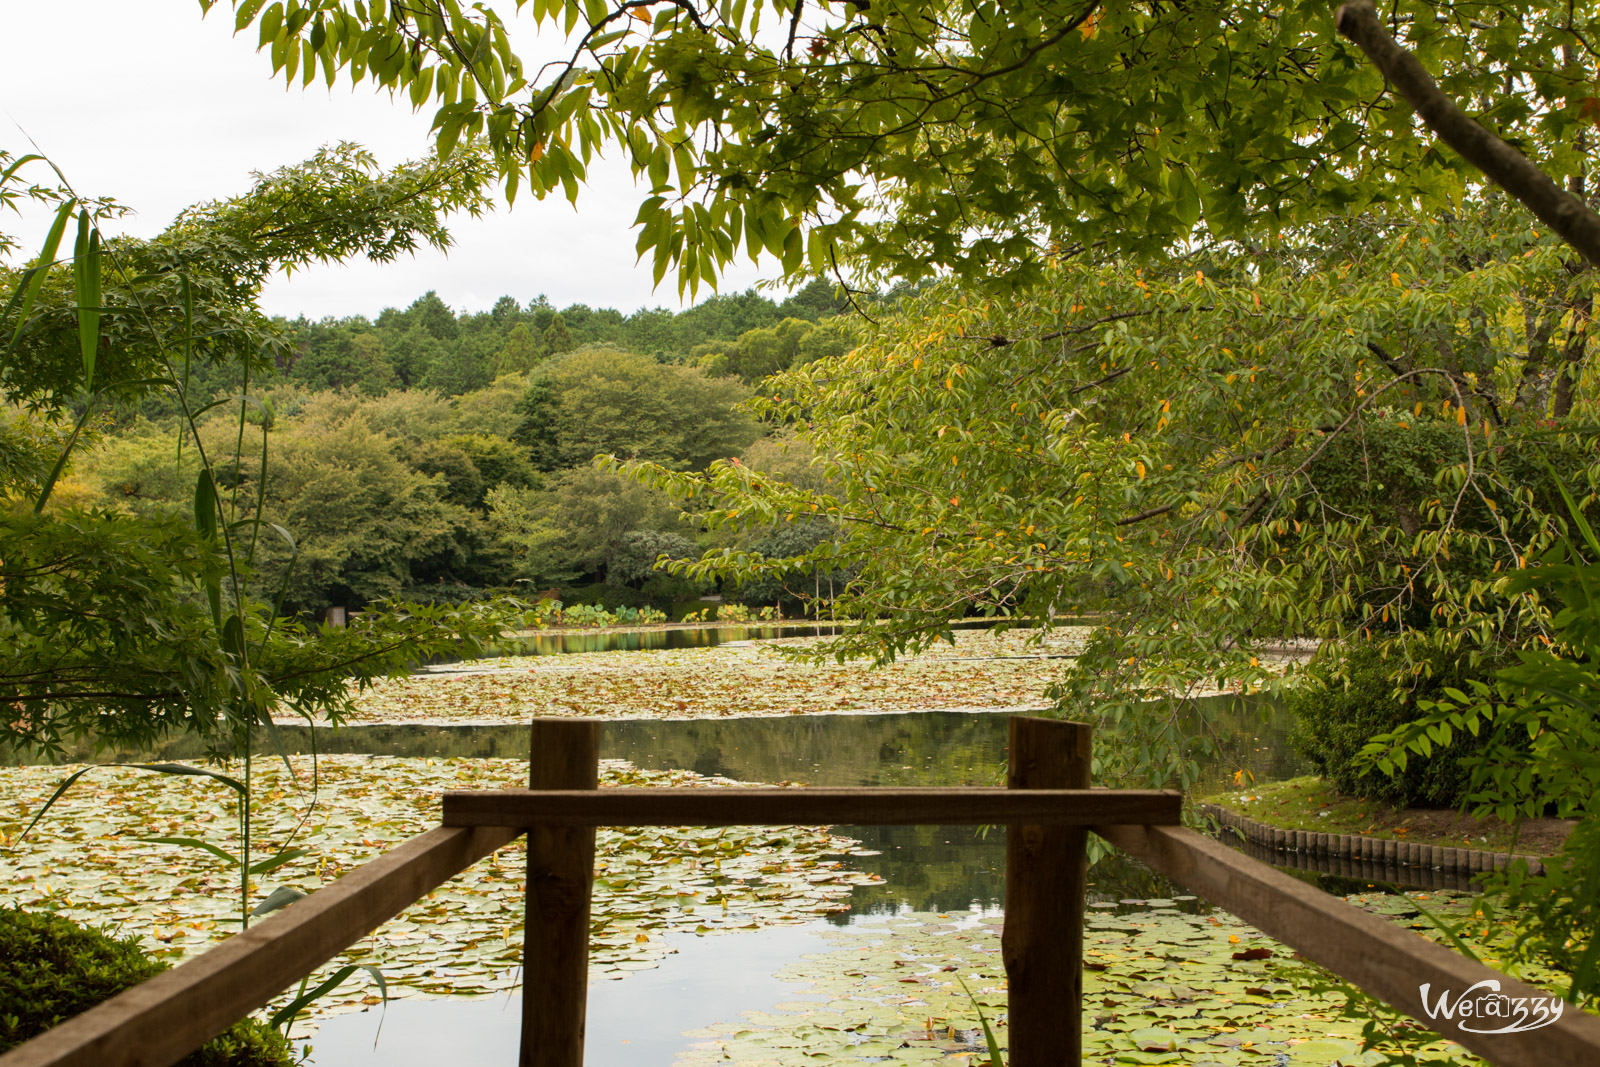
287 1013
995 1059
288 855
183 768
193 842
62 788
49 485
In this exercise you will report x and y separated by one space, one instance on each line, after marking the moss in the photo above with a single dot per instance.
51 969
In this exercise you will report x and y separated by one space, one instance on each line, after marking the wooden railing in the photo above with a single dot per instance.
1046 806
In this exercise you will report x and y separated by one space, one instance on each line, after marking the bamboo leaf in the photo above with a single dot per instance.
287 1013
47 257
183 768
62 788
86 270
288 855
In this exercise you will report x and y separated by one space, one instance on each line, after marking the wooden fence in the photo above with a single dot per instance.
1046 806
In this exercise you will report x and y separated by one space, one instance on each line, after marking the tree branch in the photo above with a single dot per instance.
1148 513
1511 170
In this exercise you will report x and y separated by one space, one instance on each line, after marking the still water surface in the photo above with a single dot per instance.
640 1020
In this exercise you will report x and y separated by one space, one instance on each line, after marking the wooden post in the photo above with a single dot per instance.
1042 943
564 754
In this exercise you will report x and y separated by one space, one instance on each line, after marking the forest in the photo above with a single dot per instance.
441 457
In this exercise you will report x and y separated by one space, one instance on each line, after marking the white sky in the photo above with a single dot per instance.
143 101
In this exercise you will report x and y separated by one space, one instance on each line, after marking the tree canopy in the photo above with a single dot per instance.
972 137
125 627
1340 436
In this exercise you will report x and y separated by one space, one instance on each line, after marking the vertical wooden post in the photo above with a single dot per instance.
564 754
1042 943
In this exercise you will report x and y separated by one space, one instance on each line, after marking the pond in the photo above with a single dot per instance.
707 981
897 908
567 642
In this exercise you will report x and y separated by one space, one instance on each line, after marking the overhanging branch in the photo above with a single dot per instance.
1569 216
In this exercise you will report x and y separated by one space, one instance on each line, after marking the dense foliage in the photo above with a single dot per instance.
1342 705
1532 735
416 494
123 628
51 969
428 346
980 139
1338 434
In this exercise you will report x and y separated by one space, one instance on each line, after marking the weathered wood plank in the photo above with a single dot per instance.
734 806
563 754
1382 958
1042 942
160 1021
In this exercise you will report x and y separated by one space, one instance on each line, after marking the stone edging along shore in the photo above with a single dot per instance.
1361 847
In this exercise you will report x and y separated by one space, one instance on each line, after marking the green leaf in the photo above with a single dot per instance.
184 769
193 842
287 1013
62 788
205 505
246 14
288 855
280 897
86 297
47 256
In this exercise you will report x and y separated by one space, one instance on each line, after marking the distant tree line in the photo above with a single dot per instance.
440 456
428 346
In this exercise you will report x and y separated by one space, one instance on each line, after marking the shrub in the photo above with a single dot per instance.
733 613
1345 701
52 969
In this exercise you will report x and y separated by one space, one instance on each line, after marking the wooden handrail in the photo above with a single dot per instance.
176 1012
166 1018
1367 950
736 806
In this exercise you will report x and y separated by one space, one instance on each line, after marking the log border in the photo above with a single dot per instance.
1463 861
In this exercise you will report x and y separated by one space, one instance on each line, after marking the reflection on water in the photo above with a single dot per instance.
909 748
561 644
637 1022
927 868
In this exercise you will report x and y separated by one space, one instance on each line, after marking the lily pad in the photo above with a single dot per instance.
87 859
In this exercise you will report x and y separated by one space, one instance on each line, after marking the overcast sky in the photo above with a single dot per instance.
143 101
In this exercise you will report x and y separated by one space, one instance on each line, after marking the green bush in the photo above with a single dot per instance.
52 969
1345 701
